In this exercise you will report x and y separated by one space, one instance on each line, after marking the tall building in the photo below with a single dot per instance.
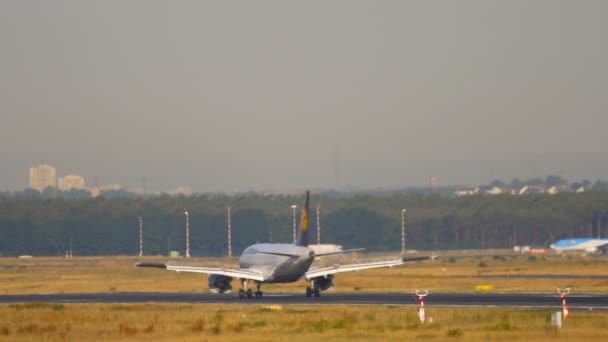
71 182
42 176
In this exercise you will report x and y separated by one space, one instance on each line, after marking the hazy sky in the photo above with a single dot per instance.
239 95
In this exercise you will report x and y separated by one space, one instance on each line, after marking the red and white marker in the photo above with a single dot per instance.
420 296
562 296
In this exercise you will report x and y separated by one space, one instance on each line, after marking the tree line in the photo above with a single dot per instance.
109 226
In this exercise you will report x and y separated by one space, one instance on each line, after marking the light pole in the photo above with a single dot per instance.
318 224
293 214
402 231
229 232
141 235
187 235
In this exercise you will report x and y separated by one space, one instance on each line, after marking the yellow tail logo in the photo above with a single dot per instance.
304 221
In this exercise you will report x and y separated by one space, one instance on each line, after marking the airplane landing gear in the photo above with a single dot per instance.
258 292
243 291
313 289
249 293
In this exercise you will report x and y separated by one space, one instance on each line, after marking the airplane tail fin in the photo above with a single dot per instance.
303 233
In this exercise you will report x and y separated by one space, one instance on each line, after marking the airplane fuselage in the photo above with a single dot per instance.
280 263
579 245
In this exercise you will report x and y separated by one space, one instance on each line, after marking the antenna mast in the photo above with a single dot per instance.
187 235
141 235
403 231
229 232
318 224
293 219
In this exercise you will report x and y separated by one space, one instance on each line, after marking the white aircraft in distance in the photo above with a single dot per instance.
588 245
280 263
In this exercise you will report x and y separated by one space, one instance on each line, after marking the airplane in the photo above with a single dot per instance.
588 245
280 263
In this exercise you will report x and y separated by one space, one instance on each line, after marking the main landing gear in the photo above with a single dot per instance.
313 289
249 293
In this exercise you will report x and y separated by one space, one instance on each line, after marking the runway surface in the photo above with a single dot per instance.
575 302
533 276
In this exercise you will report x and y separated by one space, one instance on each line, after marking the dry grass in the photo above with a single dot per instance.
118 274
179 322
182 322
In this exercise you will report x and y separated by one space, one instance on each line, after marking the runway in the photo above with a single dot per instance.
533 276
575 302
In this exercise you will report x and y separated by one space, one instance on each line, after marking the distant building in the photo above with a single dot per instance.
488 190
509 191
464 193
42 176
482 189
552 190
183 190
97 190
578 187
495 191
71 182
531 189
556 189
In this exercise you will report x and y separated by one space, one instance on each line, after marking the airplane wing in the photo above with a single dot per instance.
242 273
321 272
418 258
340 252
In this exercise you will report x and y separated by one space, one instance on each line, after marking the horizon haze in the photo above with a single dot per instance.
240 95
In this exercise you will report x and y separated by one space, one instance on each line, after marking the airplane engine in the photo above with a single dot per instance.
325 283
219 283
591 249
